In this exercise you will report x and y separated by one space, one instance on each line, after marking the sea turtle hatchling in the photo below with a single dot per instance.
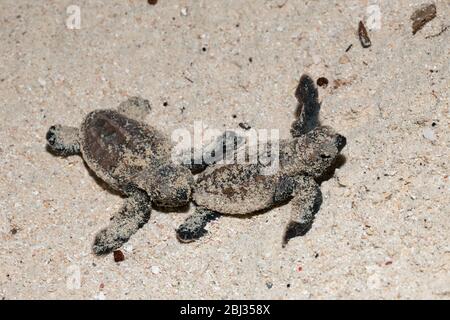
134 159
242 188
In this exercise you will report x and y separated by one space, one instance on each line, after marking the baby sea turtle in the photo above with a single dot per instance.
136 160
242 188
132 158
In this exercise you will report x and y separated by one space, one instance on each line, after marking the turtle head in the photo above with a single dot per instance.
321 148
63 140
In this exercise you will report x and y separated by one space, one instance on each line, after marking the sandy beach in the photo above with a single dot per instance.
383 230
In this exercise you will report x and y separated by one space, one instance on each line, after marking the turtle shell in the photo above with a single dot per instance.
118 148
235 189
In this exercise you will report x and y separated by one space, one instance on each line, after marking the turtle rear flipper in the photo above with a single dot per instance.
131 217
193 227
136 108
309 106
305 204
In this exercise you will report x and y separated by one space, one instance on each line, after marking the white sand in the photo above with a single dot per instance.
383 229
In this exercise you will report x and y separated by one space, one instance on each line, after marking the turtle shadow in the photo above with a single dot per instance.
180 209
338 163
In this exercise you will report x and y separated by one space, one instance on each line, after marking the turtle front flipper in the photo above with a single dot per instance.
305 204
63 140
309 106
194 226
136 108
131 217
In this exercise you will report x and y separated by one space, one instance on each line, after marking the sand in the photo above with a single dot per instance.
383 229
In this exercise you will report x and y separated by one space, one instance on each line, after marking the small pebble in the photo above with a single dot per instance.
269 285
363 35
42 82
429 134
118 256
422 16
128 248
322 82
184 11
155 269
245 126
